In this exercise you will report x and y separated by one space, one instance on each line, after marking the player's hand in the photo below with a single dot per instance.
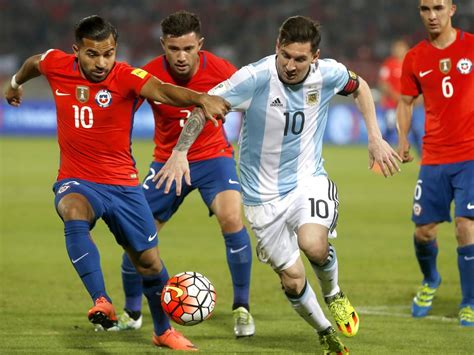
174 169
13 96
381 152
404 150
214 107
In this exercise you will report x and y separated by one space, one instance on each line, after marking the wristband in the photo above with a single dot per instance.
13 83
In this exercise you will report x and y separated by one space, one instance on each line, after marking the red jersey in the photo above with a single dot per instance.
169 120
390 73
94 119
445 77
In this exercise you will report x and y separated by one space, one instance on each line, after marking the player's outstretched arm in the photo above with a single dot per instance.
29 70
174 95
379 150
404 116
177 165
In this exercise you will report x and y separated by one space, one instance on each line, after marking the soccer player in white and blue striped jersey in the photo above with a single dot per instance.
289 201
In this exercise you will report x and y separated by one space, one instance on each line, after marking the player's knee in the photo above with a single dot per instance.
464 231
75 208
320 256
293 286
425 233
293 279
148 262
231 222
316 253
146 268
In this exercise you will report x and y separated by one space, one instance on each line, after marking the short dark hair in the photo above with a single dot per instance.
96 28
180 23
300 29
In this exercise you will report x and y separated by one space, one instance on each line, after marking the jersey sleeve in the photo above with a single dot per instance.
343 81
228 69
132 80
238 90
409 83
48 60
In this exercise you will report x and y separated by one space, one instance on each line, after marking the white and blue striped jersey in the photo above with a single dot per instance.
283 125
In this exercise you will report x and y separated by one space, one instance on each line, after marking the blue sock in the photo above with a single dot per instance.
426 254
466 272
132 285
239 259
152 287
85 257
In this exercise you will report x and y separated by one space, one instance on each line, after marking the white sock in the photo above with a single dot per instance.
328 274
307 306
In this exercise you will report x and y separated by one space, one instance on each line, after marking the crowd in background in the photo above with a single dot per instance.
356 32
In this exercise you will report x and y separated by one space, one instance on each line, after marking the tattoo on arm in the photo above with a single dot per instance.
192 128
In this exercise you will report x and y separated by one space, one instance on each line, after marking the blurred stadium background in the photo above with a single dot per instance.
358 33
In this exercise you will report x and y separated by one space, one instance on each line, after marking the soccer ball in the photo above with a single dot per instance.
188 298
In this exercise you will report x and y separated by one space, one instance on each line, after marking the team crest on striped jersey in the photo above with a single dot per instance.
103 98
464 66
312 98
445 65
82 93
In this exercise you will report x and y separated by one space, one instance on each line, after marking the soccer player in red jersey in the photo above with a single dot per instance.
96 98
441 68
213 170
389 85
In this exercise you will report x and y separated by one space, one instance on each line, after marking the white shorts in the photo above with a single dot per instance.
275 223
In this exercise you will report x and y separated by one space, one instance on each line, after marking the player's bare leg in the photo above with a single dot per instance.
303 300
313 241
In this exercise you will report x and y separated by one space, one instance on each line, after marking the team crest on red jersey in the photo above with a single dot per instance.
445 65
464 66
103 98
82 93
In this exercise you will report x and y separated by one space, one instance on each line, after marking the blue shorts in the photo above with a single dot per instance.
208 176
123 208
438 186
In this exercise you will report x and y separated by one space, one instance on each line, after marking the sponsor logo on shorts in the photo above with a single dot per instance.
468 258
151 237
66 186
470 206
233 182
416 209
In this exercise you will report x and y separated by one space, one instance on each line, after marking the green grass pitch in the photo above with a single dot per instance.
44 305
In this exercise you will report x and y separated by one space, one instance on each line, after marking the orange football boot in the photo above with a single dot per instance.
103 315
174 340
